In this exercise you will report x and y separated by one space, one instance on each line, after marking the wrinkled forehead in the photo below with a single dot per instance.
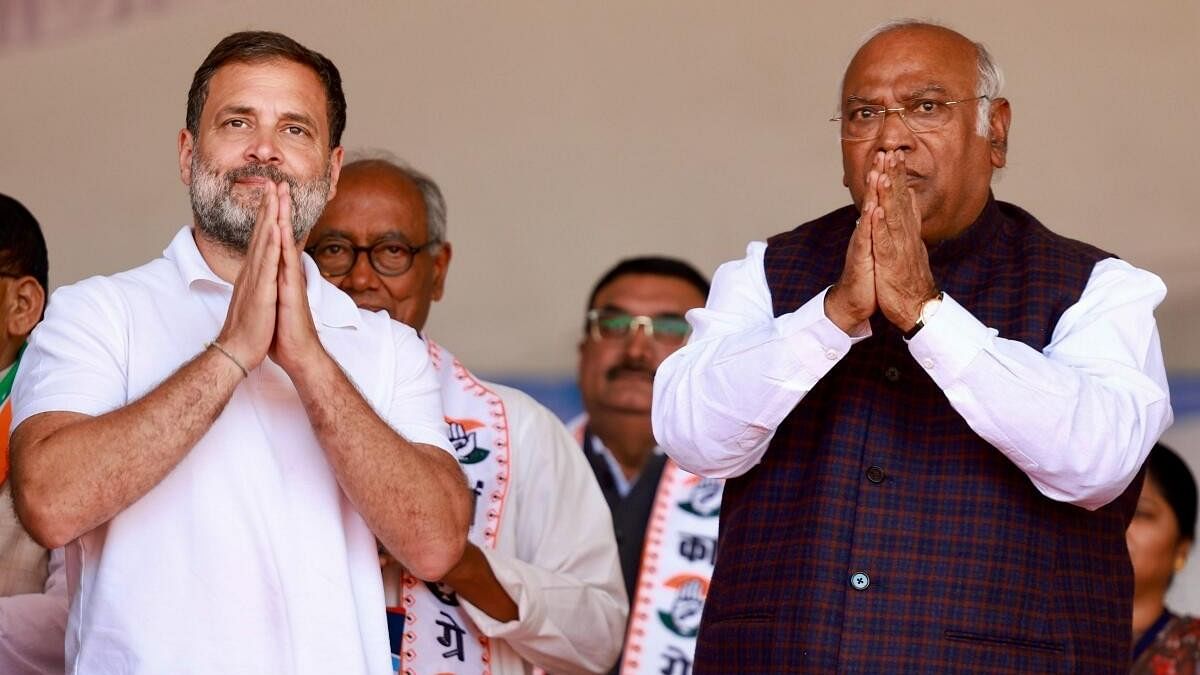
909 61
373 204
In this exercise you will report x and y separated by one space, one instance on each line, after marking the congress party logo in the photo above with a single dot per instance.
462 437
704 499
683 617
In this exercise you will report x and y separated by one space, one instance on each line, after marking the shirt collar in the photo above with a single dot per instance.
622 484
330 306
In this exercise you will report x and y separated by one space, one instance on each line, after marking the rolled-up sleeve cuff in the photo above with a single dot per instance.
949 342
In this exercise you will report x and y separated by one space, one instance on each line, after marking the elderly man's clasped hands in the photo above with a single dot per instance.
887 264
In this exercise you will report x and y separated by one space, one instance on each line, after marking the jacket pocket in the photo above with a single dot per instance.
1005 641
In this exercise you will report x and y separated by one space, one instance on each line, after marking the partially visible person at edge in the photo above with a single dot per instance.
33 580
539 585
665 518
1160 537
219 435
932 409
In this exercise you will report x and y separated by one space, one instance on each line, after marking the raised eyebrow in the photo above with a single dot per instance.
235 110
298 118
926 90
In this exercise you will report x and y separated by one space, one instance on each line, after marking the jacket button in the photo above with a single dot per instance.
875 474
891 374
859 581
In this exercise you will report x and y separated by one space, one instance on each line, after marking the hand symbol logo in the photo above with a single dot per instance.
684 617
465 445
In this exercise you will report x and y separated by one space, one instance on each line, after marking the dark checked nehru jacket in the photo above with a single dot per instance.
880 534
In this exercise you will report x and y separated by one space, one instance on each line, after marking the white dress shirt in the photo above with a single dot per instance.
1078 417
247 557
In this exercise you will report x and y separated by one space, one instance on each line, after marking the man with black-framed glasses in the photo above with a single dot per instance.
930 409
665 518
539 584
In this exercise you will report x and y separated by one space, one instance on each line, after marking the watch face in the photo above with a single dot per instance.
930 308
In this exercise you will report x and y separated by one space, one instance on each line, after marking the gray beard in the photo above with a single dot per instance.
229 221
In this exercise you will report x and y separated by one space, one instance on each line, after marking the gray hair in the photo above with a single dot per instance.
990 78
431 194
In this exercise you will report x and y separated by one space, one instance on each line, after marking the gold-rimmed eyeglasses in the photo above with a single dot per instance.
864 122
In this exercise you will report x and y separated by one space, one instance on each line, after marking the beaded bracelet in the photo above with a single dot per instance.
233 358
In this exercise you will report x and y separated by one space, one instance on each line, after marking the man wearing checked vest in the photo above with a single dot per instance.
33 585
931 410
539 586
665 518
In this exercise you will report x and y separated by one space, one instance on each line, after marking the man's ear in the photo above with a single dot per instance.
999 120
186 147
1182 550
335 170
25 301
441 266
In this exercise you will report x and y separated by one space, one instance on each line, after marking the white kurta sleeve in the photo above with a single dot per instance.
565 577
1080 416
719 399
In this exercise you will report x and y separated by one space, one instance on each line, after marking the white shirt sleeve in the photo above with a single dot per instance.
718 400
1100 384
1080 416
33 626
565 577
416 408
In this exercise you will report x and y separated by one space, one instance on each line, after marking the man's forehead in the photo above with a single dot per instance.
288 80
374 204
649 294
912 60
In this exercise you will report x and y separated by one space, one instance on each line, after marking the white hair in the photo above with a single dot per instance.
989 81
431 194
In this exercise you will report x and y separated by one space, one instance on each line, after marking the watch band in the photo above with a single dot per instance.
912 332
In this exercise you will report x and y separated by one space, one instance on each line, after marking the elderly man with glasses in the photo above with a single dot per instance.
539 584
665 518
931 409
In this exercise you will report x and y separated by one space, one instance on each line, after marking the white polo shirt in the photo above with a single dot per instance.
247 557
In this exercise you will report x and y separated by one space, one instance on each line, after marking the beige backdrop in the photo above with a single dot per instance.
569 134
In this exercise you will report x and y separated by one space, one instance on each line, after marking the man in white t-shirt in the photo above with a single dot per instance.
540 582
219 436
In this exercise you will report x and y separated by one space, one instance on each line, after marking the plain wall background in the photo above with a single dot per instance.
567 135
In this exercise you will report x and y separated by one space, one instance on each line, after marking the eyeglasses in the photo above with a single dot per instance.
390 257
665 329
863 122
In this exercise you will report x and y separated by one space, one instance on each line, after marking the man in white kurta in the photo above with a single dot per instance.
540 583
219 436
